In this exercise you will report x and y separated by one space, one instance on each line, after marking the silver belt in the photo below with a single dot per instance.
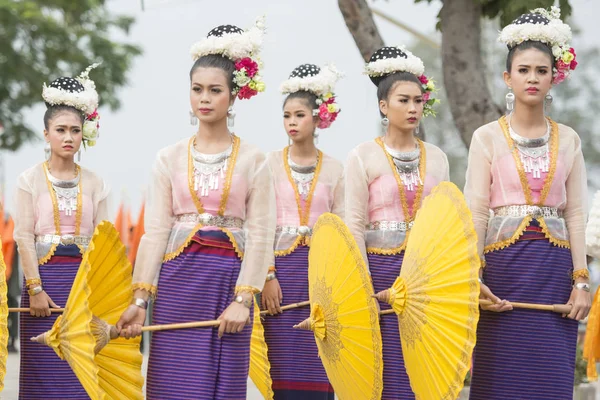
64 239
525 210
390 226
295 230
207 219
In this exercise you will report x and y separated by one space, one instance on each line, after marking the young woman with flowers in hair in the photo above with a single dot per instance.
58 206
527 189
308 183
386 181
210 225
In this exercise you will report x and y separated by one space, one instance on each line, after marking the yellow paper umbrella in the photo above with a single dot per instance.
436 295
3 321
260 367
100 293
591 346
343 315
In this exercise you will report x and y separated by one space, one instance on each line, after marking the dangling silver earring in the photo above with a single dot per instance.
316 137
385 122
510 100
193 118
417 130
547 103
47 151
230 117
79 155
289 141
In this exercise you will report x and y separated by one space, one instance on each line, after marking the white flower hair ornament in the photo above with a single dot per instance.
320 82
241 47
390 60
79 93
541 25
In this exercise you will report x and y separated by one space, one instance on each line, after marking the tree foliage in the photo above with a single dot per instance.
41 40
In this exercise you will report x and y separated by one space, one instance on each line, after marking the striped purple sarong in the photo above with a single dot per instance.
526 354
194 363
396 385
296 368
43 374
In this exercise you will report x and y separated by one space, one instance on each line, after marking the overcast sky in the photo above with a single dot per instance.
155 103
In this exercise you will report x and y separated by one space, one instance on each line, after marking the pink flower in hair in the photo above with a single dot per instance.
573 64
423 79
250 65
561 65
426 96
246 93
559 77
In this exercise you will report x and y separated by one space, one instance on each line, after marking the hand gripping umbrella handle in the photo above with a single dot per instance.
557 308
290 307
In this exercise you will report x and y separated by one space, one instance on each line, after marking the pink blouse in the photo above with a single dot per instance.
35 215
372 195
493 181
327 197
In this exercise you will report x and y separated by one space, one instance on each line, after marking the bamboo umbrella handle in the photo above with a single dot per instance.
290 307
557 308
52 310
183 325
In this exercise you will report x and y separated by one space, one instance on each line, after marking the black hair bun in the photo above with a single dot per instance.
305 70
223 29
531 18
67 84
385 53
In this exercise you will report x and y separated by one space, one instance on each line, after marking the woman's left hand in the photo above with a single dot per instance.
581 301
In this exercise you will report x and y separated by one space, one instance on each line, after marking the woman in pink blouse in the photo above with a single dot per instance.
308 183
527 189
58 206
210 224
386 181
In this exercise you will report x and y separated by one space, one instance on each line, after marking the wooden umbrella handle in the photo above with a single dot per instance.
290 307
52 310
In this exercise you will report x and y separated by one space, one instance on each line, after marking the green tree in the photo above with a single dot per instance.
41 40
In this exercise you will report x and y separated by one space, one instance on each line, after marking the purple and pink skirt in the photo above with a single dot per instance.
198 285
526 354
43 374
396 385
296 369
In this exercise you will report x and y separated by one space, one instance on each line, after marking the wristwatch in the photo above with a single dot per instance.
582 286
141 303
271 276
240 299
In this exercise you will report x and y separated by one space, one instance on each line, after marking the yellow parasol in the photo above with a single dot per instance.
591 346
260 367
101 292
343 314
3 321
436 295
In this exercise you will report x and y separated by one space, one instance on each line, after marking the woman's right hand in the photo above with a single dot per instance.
271 297
131 322
40 304
499 305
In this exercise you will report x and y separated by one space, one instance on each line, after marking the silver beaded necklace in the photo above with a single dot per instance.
303 175
66 193
208 169
534 153
407 164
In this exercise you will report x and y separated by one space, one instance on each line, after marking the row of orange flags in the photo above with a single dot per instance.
7 226
131 233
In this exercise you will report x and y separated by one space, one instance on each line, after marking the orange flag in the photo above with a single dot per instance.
136 237
591 345
8 242
121 224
